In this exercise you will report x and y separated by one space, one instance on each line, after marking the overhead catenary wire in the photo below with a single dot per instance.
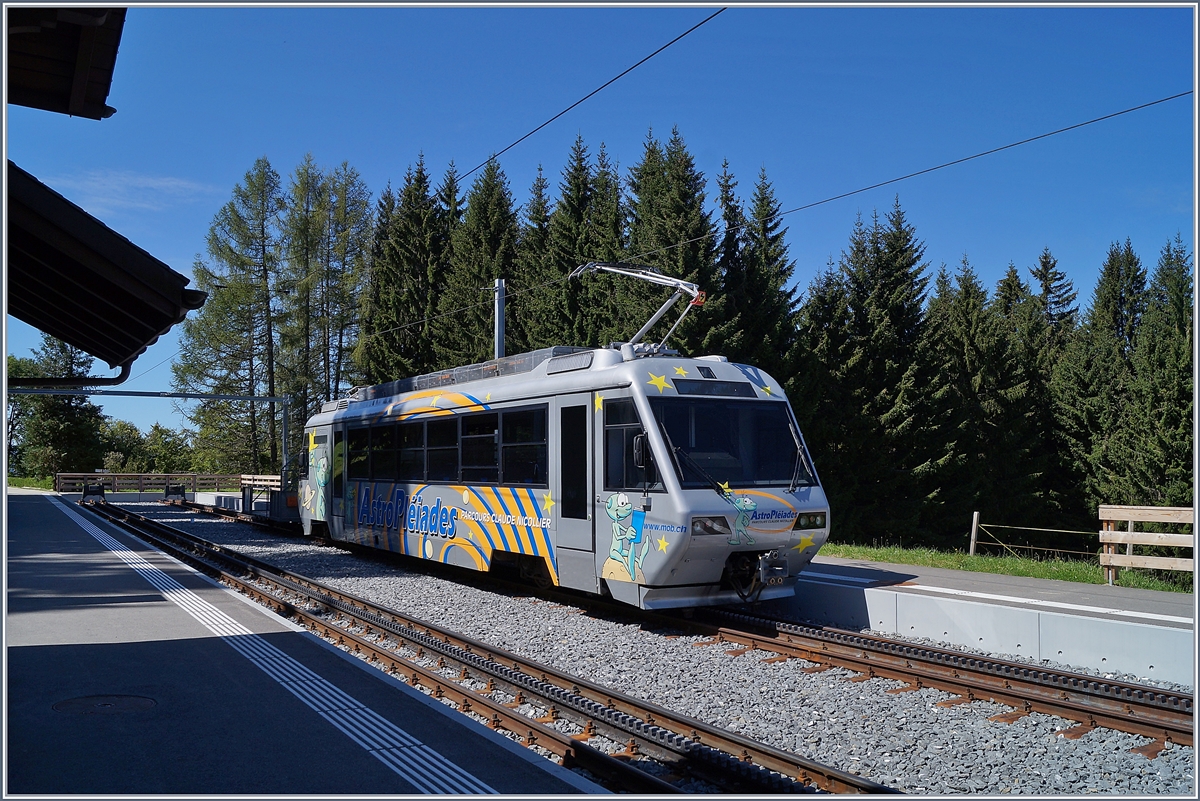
925 171
592 93
776 216
498 153
810 205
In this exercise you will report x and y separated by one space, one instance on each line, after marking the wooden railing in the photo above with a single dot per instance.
157 482
1111 537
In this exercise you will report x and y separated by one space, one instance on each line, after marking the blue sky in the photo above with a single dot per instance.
827 100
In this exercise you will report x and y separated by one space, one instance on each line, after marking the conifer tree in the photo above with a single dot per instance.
303 233
378 327
230 345
1057 296
871 381
1156 438
821 395
483 248
767 311
671 231
597 294
347 231
731 270
530 311
418 242
1092 382
569 315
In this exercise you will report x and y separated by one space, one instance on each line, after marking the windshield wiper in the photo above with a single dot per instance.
795 482
679 452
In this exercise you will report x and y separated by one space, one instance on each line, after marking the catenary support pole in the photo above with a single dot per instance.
498 334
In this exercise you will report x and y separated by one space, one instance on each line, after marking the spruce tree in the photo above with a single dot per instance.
418 242
530 314
1093 380
483 249
379 328
767 316
731 271
671 231
1057 295
870 381
1156 438
570 316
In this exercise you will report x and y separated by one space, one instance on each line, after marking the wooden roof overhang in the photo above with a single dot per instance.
75 278
62 59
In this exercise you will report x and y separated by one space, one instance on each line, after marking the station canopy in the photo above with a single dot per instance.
69 274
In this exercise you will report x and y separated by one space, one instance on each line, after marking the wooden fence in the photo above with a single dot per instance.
157 482
1111 537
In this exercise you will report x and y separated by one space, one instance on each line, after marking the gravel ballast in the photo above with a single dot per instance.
903 740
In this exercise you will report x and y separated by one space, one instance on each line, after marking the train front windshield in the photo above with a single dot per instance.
737 443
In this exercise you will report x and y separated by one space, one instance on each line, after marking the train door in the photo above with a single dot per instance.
338 481
314 490
573 487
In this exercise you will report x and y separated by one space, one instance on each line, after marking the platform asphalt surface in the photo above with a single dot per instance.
127 673
1170 609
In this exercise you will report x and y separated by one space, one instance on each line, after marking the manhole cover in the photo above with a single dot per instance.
104 704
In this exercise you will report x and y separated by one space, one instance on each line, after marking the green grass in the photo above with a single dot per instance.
1059 569
36 483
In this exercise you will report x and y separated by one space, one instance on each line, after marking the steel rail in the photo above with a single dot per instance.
726 758
498 716
1088 701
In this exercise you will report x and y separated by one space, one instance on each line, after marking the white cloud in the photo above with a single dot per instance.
103 192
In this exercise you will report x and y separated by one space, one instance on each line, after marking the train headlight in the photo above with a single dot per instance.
809 520
711 525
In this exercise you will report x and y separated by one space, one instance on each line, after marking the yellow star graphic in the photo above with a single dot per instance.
659 381
548 502
724 485
487 397
599 401
806 541
662 544
766 390
312 441
436 398
680 371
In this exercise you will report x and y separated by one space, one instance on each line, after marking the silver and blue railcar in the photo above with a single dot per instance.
661 480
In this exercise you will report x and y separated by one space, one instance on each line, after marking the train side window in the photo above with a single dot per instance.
573 456
441 451
339 463
383 453
412 451
359 442
621 425
524 447
480 448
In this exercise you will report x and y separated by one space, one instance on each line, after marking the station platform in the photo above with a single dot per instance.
1143 633
130 673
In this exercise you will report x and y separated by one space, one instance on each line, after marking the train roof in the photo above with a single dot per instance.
565 369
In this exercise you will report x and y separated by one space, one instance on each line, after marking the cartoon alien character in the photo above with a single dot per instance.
322 480
625 538
745 506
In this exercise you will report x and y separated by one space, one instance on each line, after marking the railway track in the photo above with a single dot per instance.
1088 701
644 748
